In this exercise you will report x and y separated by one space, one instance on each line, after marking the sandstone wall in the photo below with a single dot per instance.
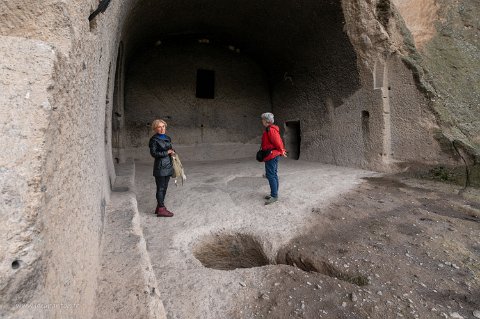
450 54
413 124
161 83
365 110
25 110
56 178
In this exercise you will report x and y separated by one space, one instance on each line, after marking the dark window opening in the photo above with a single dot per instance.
205 84
365 123
293 139
365 118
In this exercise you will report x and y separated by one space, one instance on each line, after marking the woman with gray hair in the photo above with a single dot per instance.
272 145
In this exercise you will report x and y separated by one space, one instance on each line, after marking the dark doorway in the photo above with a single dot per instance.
293 139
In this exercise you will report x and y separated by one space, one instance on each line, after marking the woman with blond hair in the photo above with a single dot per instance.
161 149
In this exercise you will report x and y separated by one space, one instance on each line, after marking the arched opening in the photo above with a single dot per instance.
107 131
293 60
118 118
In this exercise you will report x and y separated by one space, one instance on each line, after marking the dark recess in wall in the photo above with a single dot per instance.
205 84
293 139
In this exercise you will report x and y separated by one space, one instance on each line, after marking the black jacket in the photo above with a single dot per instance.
163 161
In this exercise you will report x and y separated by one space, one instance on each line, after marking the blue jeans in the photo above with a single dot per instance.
271 167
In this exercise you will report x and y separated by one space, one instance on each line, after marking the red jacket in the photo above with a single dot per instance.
271 140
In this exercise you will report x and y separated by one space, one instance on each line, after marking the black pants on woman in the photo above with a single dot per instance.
162 185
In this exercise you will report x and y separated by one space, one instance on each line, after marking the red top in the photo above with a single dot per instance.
271 140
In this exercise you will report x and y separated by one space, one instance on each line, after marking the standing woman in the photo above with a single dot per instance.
271 141
161 149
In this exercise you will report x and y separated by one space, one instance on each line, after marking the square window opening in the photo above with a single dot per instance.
205 84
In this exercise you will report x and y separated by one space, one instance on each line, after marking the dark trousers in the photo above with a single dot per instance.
271 168
162 185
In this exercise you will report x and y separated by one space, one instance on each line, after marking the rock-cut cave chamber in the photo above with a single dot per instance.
210 69
333 73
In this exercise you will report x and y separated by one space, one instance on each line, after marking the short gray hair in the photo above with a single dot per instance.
268 117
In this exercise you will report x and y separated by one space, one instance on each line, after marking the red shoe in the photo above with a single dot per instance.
156 209
168 211
163 212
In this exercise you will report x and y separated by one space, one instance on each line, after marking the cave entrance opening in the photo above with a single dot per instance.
293 139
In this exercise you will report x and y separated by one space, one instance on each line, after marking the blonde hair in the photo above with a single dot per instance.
156 124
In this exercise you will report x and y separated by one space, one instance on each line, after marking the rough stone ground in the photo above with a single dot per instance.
341 243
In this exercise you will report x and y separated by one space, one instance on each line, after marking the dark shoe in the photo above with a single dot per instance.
267 197
271 200
163 212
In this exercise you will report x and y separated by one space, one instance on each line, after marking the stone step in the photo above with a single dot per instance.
127 286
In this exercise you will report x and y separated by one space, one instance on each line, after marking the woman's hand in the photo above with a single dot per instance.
171 152
284 153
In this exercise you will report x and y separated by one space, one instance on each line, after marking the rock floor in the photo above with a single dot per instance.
340 243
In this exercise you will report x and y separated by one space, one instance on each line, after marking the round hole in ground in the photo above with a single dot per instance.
230 251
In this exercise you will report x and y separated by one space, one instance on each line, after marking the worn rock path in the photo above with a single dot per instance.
340 243
226 197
